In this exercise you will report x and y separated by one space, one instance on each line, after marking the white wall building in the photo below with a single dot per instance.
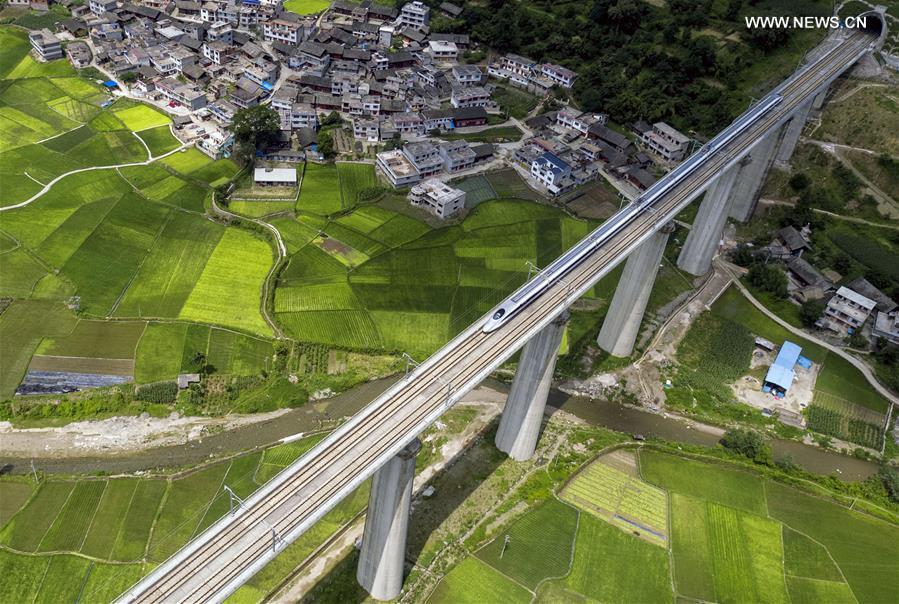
437 197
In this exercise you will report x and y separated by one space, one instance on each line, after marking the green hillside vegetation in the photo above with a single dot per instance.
693 64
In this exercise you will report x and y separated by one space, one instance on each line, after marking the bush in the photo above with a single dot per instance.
769 279
810 312
890 478
747 443
800 181
157 392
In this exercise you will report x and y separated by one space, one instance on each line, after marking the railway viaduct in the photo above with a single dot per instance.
381 440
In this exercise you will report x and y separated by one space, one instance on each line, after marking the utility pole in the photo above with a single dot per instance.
505 544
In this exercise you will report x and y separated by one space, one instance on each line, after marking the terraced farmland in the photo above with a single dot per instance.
412 287
116 525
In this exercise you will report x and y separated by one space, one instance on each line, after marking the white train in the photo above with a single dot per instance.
528 292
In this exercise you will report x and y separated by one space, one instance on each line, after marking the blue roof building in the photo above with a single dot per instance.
551 172
780 374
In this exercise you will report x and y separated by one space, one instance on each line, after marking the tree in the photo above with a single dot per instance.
768 278
332 119
842 263
326 144
743 255
748 443
253 127
890 478
128 77
800 181
810 312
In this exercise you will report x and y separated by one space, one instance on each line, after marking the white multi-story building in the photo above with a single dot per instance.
467 75
846 311
217 52
415 14
437 197
443 51
45 44
280 30
559 75
425 156
471 96
551 172
366 130
98 7
396 168
456 155
666 141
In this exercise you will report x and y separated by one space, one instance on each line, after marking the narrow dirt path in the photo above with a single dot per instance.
50 184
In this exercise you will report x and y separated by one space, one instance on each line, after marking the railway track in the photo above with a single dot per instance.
234 548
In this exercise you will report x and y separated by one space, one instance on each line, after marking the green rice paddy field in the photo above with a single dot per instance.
101 535
376 278
734 537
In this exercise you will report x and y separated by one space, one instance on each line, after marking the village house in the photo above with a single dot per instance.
666 141
846 312
396 168
470 96
415 15
551 172
456 155
45 44
437 197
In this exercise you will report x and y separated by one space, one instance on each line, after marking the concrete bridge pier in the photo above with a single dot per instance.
702 242
519 427
622 323
752 175
383 552
793 131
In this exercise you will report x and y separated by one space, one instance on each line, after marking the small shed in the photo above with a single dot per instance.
780 374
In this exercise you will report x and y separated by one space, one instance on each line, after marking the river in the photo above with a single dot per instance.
312 416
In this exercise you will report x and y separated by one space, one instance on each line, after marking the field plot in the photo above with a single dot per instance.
864 548
508 184
13 495
159 140
477 189
183 509
691 546
632 570
840 418
229 288
258 208
27 528
622 499
713 482
539 545
96 339
19 273
188 161
354 178
22 326
474 582
119 244
70 527
169 273
320 190
306 7
141 117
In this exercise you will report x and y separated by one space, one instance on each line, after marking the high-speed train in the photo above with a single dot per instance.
570 259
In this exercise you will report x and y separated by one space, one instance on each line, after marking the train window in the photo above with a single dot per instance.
499 314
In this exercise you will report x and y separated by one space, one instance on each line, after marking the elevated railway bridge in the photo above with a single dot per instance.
381 440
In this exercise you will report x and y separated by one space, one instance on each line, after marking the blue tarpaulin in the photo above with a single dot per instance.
110 84
267 86
780 373
804 363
